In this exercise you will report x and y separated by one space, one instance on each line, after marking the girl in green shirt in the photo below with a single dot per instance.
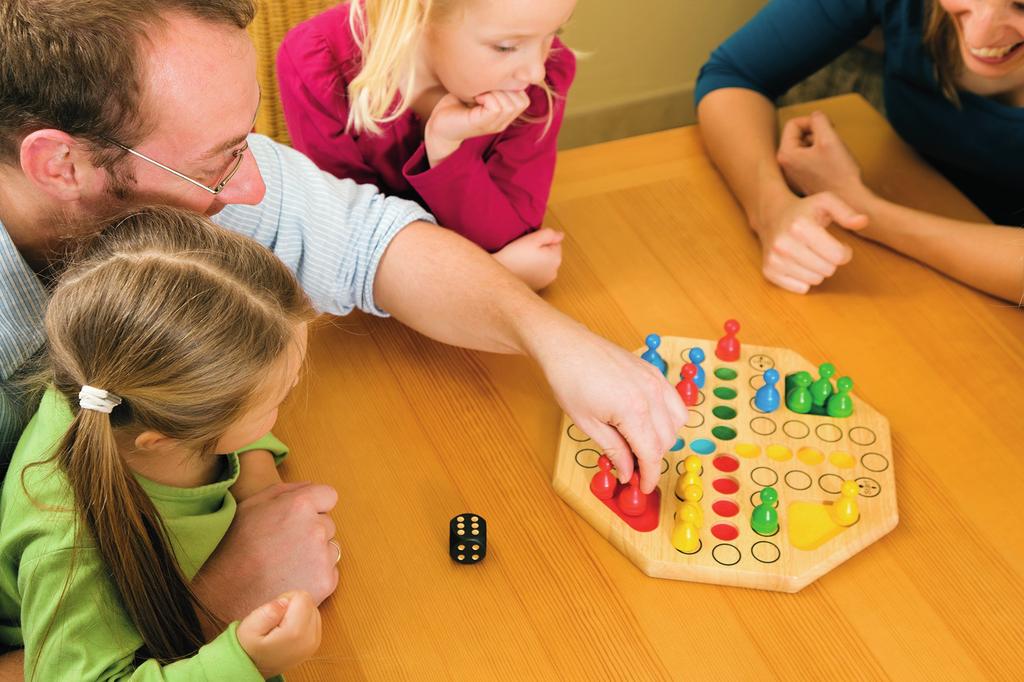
170 342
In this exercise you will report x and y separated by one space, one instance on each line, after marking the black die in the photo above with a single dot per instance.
467 538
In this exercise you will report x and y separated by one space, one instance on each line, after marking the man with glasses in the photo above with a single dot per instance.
237 157
106 104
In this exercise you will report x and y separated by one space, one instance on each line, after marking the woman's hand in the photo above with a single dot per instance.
799 252
814 159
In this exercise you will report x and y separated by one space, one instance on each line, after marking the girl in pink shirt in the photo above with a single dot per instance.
454 103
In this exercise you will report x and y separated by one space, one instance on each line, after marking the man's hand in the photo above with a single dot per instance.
620 401
452 121
449 289
279 541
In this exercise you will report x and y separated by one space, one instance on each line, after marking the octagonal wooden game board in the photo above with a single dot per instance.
805 457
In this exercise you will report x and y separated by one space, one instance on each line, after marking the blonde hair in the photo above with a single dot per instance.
943 44
387 33
180 319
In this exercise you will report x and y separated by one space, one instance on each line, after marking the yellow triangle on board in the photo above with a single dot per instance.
811 525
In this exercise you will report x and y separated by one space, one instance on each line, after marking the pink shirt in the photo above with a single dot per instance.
491 190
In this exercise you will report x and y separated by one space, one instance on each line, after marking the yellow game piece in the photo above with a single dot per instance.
692 475
691 512
693 493
845 511
686 537
687 479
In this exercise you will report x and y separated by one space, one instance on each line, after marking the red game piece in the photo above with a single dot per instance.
687 387
728 348
603 483
632 501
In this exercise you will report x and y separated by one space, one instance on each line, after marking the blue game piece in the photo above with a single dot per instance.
697 357
651 354
767 398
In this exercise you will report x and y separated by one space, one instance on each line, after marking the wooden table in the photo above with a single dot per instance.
411 432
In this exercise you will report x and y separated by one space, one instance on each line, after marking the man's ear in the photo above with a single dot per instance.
152 440
57 164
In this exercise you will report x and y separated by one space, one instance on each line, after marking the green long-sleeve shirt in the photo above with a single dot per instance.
92 637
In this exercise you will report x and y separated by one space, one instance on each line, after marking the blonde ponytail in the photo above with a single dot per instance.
154 592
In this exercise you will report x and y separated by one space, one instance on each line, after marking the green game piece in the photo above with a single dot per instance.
822 388
841 404
799 400
765 519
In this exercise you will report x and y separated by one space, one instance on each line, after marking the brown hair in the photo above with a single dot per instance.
180 319
943 44
73 65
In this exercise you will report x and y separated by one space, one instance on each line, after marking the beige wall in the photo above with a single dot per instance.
643 60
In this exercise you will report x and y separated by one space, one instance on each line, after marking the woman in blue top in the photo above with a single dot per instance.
954 88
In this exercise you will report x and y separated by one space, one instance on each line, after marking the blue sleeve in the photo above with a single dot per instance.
10 425
784 43
331 232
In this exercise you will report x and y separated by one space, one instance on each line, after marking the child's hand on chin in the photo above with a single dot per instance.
534 258
282 633
452 121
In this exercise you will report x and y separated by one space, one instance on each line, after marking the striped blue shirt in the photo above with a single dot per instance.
330 232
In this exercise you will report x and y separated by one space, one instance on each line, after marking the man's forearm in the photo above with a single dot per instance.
987 257
449 289
445 287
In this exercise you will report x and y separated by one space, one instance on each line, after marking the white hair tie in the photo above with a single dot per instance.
92 398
